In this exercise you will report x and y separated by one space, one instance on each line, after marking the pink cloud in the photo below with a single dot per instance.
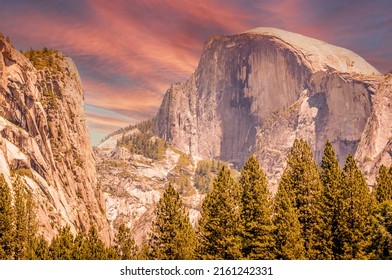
130 52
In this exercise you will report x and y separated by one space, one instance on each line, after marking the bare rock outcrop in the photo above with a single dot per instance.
133 184
257 91
44 138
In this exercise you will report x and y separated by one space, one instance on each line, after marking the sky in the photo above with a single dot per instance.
129 52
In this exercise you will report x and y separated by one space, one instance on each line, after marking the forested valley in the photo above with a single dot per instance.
318 212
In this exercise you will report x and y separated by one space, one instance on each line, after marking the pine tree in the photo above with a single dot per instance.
94 248
79 248
31 226
301 179
381 243
6 220
144 251
384 184
381 236
172 236
125 244
355 218
220 224
62 245
289 244
331 177
21 219
39 249
256 216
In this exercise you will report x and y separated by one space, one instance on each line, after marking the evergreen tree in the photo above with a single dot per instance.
256 216
144 251
301 179
172 236
62 245
31 226
331 177
220 224
6 220
79 250
381 243
381 236
21 219
125 244
94 248
355 218
384 184
39 249
289 244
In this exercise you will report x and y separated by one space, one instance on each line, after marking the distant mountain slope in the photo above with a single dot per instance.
133 172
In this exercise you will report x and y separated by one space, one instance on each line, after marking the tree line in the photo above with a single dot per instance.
318 212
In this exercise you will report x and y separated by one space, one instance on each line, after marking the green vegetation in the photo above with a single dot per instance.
144 144
256 215
143 141
289 243
220 227
384 184
45 58
180 176
332 178
49 98
317 213
172 236
183 183
355 218
205 172
22 172
301 180
25 223
18 227
144 127
6 220
125 246
381 234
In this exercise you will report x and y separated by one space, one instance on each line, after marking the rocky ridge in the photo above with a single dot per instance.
133 183
257 91
44 139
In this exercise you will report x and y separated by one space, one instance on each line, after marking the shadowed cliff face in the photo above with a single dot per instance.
231 96
258 91
44 139
343 108
240 94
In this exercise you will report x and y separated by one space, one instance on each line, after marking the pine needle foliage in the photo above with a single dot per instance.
301 180
289 244
384 184
355 218
256 215
172 236
332 179
220 225
381 247
125 244
6 220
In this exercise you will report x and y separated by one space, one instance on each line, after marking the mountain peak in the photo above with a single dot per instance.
255 92
319 55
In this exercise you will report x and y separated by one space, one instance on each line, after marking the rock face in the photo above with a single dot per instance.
133 184
256 92
43 138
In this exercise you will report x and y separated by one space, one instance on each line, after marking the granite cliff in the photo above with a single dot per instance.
257 91
44 139
133 182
